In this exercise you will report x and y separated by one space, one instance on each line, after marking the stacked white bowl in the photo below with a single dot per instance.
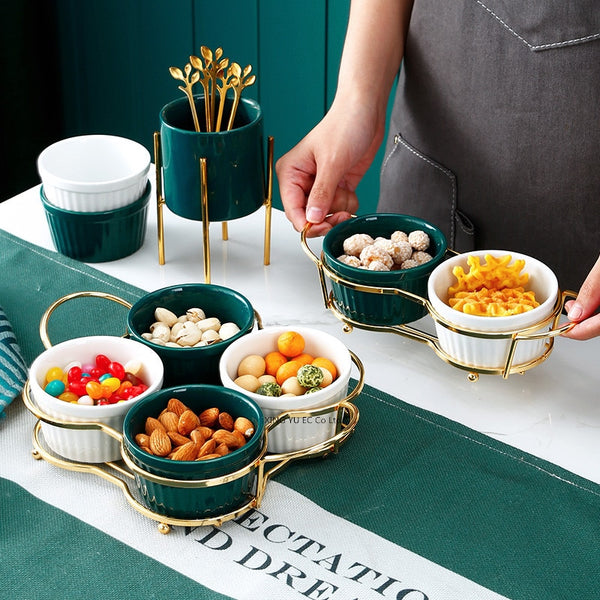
93 173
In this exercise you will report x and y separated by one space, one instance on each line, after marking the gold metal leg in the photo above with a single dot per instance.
159 199
224 231
268 202
205 222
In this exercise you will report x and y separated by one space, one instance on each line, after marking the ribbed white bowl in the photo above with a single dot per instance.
89 445
485 353
92 173
302 432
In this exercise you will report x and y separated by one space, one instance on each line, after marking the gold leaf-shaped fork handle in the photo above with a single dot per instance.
189 79
242 80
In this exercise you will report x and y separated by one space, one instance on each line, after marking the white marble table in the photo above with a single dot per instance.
552 411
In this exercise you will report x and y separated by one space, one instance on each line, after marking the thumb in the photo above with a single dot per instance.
588 297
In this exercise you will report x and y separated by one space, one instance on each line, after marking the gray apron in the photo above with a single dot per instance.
495 131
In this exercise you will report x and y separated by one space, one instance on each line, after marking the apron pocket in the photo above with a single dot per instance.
415 184
546 25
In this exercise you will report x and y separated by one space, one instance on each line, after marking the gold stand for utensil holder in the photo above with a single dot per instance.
515 336
123 473
160 202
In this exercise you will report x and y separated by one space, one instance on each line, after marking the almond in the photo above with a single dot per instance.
208 456
176 406
152 424
244 426
205 431
142 439
198 436
169 420
178 439
226 421
207 448
233 439
222 449
188 421
160 443
209 417
188 451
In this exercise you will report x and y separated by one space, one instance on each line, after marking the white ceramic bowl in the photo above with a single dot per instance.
92 173
486 353
295 433
89 445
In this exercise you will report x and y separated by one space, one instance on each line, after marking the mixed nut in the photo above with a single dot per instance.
178 433
193 329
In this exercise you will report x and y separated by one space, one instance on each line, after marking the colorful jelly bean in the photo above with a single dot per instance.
55 387
54 373
69 396
116 370
74 373
102 382
103 362
94 389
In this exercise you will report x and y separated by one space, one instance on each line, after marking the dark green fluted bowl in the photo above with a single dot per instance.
191 365
195 502
102 236
373 308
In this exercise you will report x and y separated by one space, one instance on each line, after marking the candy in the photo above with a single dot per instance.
116 370
94 389
68 397
54 373
102 362
102 382
112 383
55 387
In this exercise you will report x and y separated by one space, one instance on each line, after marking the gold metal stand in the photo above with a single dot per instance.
515 336
160 202
124 473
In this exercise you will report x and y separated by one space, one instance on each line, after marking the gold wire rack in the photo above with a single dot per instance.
537 331
125 474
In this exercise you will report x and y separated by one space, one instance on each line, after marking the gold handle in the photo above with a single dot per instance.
305 246
46 316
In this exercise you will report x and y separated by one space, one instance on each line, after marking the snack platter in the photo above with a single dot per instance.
139 482
336 289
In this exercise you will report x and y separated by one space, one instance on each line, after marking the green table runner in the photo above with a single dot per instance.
513 523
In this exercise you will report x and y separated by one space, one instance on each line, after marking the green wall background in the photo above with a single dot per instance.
106 66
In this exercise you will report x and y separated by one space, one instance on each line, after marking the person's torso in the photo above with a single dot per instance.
497 126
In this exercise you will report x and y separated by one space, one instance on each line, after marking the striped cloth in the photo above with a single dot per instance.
13 371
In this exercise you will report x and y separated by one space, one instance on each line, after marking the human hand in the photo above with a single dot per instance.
582 310
318 177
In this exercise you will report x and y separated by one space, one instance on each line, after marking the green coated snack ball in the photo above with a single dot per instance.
269 389
309 376
313 390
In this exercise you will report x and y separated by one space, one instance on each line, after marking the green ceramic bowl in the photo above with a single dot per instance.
191 365
102 236
374 308
189 500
